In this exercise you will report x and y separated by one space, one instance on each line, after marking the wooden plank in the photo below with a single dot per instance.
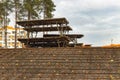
69 35
43 22
41 29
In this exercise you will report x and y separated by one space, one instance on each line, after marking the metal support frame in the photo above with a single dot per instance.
62 30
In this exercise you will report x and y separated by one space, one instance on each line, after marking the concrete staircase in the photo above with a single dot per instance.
60 64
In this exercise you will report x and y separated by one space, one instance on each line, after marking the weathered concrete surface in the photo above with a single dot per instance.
60 64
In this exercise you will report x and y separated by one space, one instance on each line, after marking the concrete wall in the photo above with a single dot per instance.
60 64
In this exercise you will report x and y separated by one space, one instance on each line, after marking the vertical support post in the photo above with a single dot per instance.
32 34
47 31
66 29
60 30
75 41
15 25
36 34
58 43
43 30
15 35
5 33
5 28
57 27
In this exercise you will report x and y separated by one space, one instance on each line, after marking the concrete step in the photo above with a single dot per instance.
60 64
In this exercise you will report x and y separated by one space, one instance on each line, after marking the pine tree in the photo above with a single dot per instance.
32 9
24 9
6 9
17 5
1 14
48 7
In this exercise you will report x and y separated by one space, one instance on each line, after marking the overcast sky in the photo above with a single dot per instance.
98 20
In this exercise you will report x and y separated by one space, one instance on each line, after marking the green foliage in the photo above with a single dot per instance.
48 8
24 9
6 9
32 9
27 9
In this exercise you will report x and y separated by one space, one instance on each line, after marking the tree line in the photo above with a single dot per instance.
24 10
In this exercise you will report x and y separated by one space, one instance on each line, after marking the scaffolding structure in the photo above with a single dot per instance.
59 25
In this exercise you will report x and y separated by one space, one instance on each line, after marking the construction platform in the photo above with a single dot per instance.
59 25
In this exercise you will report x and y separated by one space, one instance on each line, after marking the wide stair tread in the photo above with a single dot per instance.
60 64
